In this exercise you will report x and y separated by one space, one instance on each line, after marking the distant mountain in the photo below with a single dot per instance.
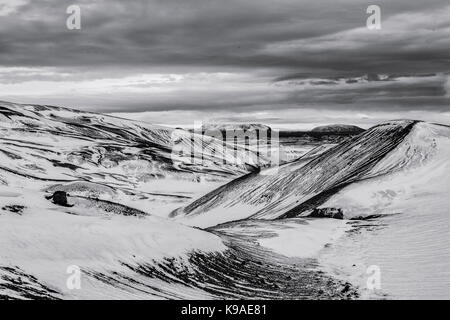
234 126
338 129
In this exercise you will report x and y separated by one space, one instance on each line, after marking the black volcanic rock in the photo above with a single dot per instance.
333 213
59 198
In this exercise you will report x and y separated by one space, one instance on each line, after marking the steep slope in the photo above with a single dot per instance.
296 187
407 238
417 168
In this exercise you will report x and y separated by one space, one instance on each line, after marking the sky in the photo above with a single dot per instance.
286 63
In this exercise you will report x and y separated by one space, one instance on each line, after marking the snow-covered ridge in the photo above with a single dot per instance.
305 184
420 162
57 144
409 190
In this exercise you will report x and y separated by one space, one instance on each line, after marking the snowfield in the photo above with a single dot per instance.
44 239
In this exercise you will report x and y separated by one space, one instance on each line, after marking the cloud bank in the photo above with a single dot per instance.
283 62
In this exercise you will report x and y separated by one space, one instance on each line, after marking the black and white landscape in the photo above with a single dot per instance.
224 150
141 225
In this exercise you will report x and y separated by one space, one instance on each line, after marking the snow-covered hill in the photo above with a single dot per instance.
120 175
392 184
63 146
416 168
302 185
409 192
40 242
73 143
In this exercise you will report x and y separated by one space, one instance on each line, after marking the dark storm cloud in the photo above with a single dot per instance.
202 32
324 43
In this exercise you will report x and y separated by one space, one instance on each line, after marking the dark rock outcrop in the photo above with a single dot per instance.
14 208
333 213
59 198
